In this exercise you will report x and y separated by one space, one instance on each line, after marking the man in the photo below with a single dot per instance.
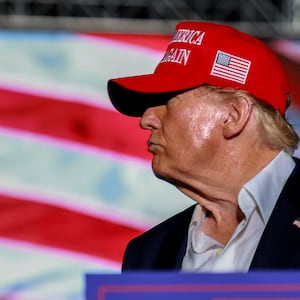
215 109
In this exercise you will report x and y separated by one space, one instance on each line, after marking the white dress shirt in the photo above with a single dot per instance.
256 199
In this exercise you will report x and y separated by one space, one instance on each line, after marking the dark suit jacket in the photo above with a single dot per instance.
163 247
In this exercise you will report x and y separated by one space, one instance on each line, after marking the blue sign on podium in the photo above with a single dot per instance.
182 286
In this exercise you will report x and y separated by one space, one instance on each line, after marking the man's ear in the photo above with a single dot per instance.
238 113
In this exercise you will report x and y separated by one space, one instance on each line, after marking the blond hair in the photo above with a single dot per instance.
274 128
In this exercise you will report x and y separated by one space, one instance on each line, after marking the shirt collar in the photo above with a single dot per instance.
263 189
266 186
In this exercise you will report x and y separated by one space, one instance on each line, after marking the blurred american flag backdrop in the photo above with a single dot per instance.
75 176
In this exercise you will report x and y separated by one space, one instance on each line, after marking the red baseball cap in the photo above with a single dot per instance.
204 53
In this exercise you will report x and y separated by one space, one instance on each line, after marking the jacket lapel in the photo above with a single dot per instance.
280 243
173 247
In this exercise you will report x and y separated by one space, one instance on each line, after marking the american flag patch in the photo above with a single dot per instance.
297 222
231 67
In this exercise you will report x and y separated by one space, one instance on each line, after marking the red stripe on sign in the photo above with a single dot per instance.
52 226
72 121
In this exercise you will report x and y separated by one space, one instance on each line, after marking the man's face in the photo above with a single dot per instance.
185 134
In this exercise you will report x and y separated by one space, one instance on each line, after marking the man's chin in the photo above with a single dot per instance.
162 176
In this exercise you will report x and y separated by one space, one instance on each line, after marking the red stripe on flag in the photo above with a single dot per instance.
52 226
73 121
157 42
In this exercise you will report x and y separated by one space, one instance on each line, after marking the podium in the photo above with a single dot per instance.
275 285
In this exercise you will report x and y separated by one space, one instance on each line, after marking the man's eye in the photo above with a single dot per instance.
172 100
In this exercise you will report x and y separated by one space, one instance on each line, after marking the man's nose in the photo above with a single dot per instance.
150 119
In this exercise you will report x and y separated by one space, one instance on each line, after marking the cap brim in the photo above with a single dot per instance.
133 95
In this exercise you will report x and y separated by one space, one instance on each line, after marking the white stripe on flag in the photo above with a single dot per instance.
230 67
